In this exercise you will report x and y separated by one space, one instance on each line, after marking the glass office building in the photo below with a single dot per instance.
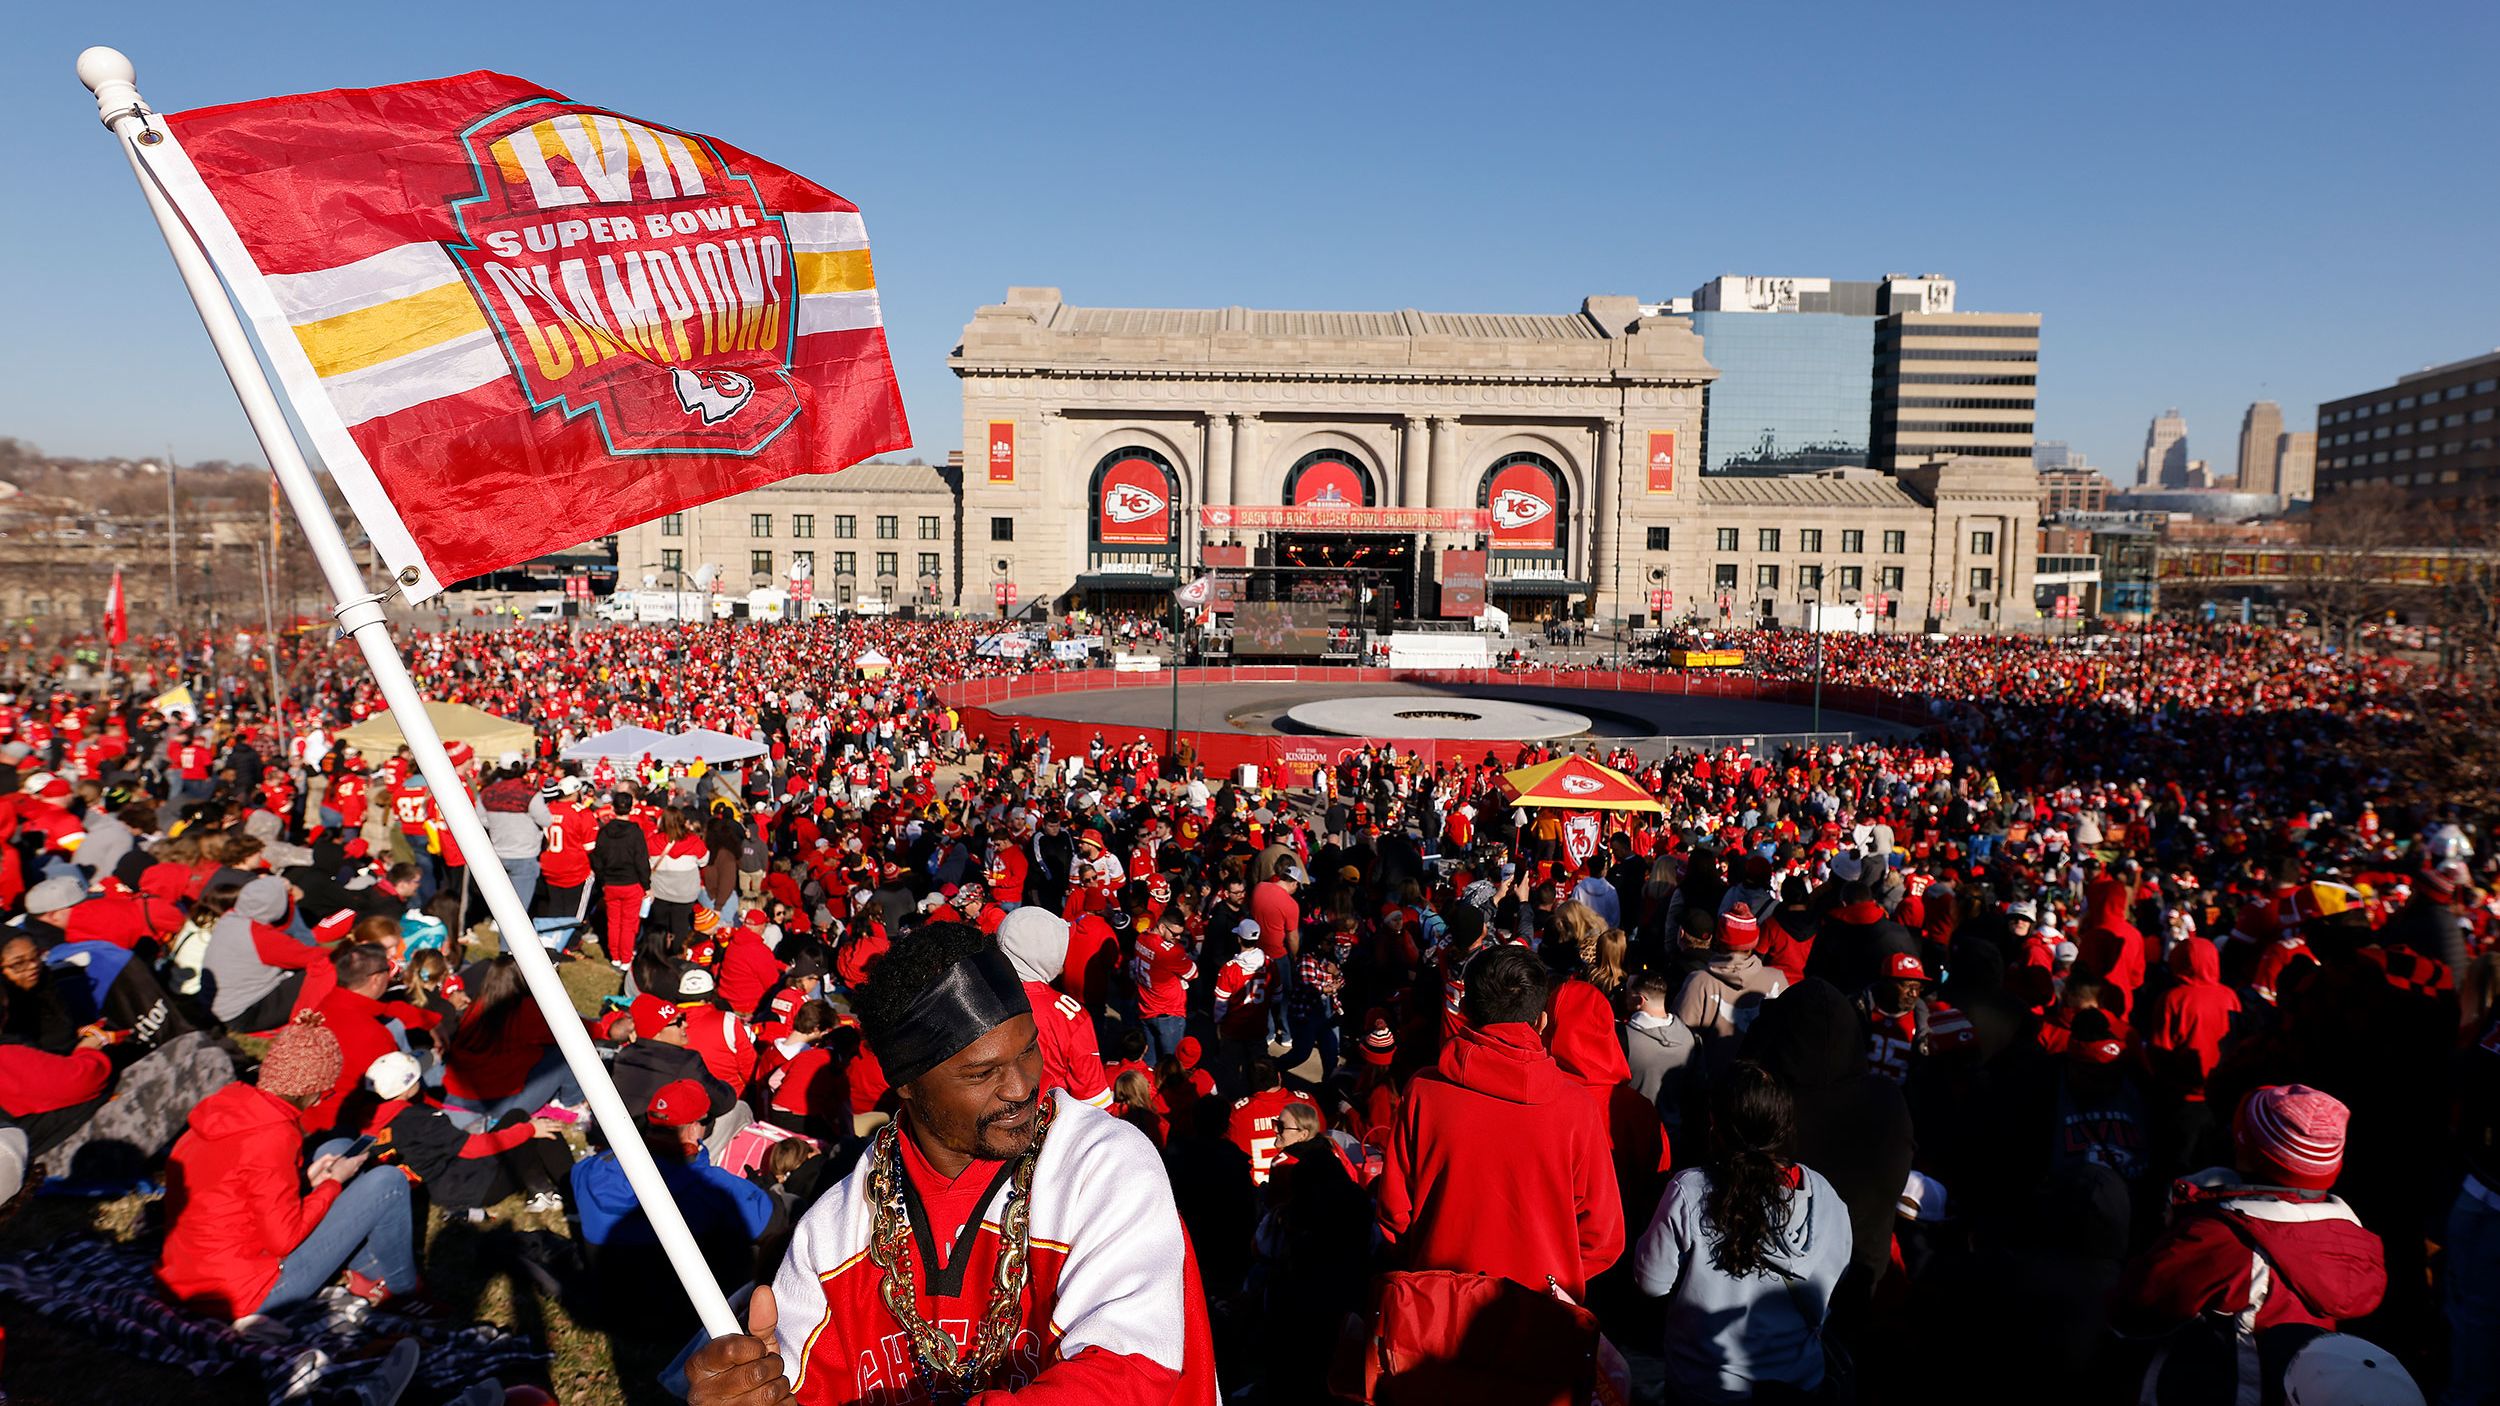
1793 390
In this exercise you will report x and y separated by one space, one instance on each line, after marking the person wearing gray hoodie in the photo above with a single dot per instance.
1746 1249
1657 1046
255 967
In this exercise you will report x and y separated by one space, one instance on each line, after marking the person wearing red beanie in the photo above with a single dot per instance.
2254 1246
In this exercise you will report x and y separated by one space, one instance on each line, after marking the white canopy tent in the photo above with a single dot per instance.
693 745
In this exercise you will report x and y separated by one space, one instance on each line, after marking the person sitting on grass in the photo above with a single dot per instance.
460 1170
243 1234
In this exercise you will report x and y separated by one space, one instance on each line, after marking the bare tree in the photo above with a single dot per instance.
2350 570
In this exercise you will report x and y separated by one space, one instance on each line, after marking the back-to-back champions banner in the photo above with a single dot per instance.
510 322
1313 517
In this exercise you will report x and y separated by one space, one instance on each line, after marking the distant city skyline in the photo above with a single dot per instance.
1264 187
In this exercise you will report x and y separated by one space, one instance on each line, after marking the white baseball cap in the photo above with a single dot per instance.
393 1075
2338 1369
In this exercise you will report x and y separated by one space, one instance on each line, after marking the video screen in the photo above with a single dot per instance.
1290 629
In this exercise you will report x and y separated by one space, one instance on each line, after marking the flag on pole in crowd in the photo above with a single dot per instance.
174 700
116 613
511 322
1197 592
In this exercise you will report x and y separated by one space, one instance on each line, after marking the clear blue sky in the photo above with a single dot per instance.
2210 203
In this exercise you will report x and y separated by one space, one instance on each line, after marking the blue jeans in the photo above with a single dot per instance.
429 872
368 1229
2473 1251
551 1082
524 875
1317 1032
1163 1035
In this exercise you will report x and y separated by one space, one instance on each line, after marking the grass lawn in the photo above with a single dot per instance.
45 1366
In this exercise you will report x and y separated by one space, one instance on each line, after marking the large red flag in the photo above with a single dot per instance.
510 322
116 613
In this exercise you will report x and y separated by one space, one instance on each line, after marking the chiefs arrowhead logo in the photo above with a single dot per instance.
1582 785
713 395
1126 502
1514 508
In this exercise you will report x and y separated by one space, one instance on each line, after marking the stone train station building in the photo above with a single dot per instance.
1111 453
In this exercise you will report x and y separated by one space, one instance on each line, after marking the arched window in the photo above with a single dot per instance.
1330 478
1136 503
1531 506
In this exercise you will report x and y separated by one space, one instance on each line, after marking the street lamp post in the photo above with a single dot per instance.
680 571
1815 622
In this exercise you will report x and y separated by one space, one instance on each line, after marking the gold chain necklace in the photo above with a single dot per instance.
890 1250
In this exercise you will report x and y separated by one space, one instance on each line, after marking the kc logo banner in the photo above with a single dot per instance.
511 322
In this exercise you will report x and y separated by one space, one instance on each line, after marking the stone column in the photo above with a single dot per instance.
1606 526
1444 490
1245 466
1413 491
1219 460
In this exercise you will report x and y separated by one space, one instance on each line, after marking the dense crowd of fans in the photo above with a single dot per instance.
2129 1036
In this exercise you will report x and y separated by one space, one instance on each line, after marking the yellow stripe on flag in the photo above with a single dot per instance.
842 271
370 336
509 164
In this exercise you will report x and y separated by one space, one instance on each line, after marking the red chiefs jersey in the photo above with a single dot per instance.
1071 1057
565 860
411 808
1162 970
1006 875
348 796
1253 1126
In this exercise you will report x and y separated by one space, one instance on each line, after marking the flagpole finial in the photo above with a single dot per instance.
108 74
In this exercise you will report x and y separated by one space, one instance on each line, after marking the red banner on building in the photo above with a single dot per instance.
1002 451
510 322
1662 461
1136 504
1462 583
1526 508
1315 519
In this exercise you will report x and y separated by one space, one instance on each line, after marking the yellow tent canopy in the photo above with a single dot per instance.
1576 783
491 736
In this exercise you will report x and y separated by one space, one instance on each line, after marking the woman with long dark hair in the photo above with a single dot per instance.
503 1056
1746 1250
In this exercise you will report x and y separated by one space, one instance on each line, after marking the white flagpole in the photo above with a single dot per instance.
110 76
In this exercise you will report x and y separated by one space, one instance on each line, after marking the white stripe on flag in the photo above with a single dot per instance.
839 312
446 368
392 274
170 167
822 232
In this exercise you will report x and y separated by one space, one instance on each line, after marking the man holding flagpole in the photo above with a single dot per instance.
999 1241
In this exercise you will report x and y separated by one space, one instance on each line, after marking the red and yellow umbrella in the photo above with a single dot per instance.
1576 783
